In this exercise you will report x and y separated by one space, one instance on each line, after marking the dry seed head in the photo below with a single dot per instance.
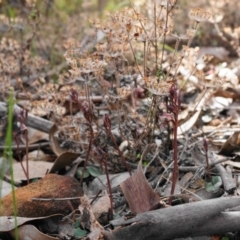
219 82
199 15
43 107
123 92
128 26
70 43
207 58
185 51
75 72
101 47
71 62
156 86
95 22
191 33
215 82
116 48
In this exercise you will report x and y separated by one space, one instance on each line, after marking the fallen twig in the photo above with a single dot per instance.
187 220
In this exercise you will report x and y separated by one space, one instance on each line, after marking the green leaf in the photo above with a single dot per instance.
138 156
93 171
11 12
225 238
79 173
145 163
33 14
213 184
78 232
77 223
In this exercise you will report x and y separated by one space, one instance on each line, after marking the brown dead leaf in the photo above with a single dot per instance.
63 160
37 169
138 193
193 117
88 220
35 136
7 223
229 93
231 144
232 163
30 232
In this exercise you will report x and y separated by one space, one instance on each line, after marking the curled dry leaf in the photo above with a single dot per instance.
138 193
7 223
232 164
30 232
191 120
88 220
35 135
231 145
54 142
63 160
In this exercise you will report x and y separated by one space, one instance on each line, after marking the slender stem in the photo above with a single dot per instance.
27 163
175 104
88 153
144 58
20 159
110 189
155 35
135 59
164 37
175 158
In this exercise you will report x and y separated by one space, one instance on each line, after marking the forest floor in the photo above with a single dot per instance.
122 124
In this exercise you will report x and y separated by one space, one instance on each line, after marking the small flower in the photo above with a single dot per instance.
199 15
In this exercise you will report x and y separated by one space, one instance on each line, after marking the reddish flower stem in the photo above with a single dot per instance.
174 108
